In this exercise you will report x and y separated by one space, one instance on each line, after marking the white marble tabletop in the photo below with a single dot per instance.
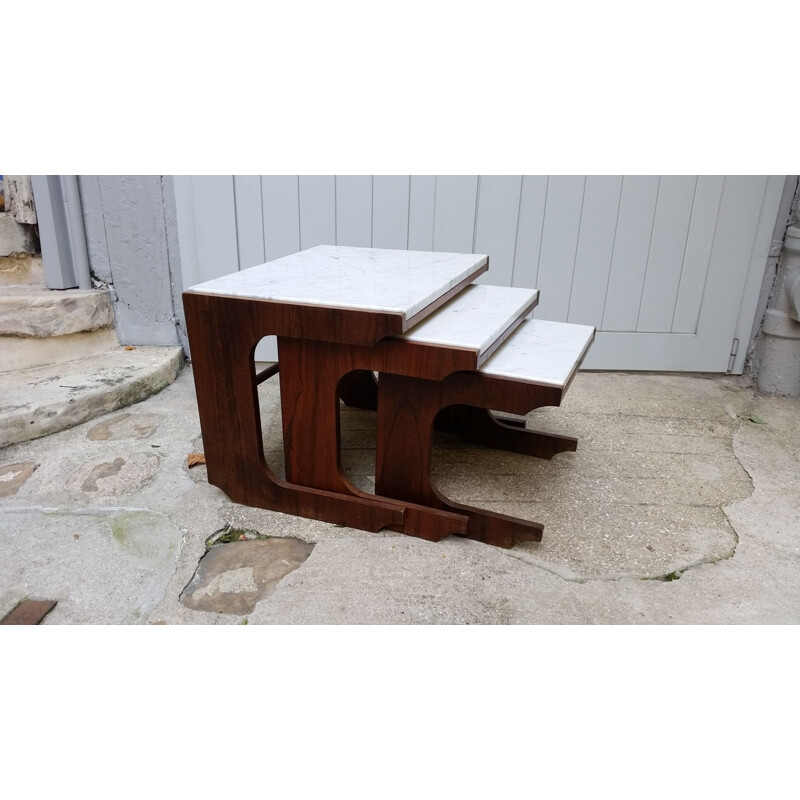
542 352
399 281
475 318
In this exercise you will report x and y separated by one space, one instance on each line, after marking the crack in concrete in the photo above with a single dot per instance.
675 574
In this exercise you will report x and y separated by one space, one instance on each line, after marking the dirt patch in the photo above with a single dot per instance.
12 476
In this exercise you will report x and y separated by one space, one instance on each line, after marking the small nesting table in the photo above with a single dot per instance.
341 314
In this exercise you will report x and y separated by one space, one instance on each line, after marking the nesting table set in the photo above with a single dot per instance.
447 352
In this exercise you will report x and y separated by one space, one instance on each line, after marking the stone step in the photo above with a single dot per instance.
21 270
38 312
37 402
28 352
16 238
40 326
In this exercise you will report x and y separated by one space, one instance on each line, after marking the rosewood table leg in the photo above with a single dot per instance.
406 411
223 345
311 374
474 425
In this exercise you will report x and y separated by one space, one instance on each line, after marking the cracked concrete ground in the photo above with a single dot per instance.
680 506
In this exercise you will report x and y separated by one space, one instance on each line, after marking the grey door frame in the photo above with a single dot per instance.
59 212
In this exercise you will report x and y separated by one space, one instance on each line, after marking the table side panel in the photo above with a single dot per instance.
348 326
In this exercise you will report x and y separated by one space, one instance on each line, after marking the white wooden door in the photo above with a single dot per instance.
667 268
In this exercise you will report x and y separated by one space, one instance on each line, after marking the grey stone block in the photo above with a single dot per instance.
16 238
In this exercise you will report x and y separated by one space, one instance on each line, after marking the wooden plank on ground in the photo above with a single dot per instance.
29 612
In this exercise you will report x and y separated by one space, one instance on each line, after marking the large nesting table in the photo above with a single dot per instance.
342 314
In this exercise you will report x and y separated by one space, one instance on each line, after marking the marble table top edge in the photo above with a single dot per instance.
372 279
475 318
542 352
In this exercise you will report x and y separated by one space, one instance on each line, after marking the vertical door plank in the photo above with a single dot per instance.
390 200
631 245
562 219
766 229
281 206
454 216
249 220
421 211
317 210
595 248
698 252
354 210
667 248
739 213
215 226
496 225
532 201
187 236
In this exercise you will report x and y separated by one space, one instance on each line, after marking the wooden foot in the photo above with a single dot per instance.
407 408
480 426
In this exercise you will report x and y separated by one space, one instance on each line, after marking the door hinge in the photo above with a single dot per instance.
734 351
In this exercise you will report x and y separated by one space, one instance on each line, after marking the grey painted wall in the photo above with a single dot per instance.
132 242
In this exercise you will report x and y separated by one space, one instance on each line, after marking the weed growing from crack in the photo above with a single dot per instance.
230 533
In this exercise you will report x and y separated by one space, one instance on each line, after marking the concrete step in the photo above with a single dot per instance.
37 311
27 352
21 270
41 401
39 326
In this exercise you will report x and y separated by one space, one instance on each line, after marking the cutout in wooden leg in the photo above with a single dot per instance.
359 389
406 412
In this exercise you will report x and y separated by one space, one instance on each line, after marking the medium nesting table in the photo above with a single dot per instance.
341 314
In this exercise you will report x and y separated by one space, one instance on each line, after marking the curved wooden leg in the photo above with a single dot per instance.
311 376
223 337
406 412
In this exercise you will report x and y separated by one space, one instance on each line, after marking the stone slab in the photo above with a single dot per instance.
38 402
28 352
40 312
232 577
16 238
